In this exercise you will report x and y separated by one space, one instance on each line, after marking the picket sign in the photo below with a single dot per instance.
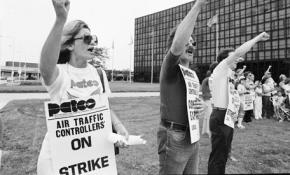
78 133
234 104
192 94
248 102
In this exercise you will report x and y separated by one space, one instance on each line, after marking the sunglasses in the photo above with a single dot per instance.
88 39
192 42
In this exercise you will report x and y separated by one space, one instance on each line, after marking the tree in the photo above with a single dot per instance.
101 54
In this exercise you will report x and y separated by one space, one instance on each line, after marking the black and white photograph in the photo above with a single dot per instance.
144 87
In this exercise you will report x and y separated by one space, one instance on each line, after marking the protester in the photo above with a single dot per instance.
287 86
206 96
258 101
63 61
250 87
239 73
242 91
282 79
267 106
222 134
268 74
177 153
278 101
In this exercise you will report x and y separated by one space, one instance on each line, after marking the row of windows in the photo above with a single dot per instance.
251 56
253 18
245 32
231 5
239 10
209 57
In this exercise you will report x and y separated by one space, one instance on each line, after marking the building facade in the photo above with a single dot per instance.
238 22
22 70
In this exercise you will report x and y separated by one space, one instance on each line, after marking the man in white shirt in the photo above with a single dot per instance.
222 134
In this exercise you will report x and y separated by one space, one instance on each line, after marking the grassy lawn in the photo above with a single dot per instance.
116 86
263 147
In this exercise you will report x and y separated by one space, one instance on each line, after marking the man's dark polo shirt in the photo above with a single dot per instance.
173 105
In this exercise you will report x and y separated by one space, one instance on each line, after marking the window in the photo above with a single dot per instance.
261 55
261 18
261 27
268 55
249 56
281 23
243 13
248 4
280 4
261 45
242 5
267 26
243 30
275 44
274 25
282 34
274 34
254 11
267 17
275 54
288 33
267 45
274 16
282 54
249 30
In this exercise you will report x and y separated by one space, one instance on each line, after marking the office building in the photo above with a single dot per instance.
238 21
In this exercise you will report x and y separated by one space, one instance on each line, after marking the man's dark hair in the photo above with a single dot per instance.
171 37
224 53
212 66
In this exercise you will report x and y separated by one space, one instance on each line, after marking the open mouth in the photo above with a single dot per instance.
189 50
91 49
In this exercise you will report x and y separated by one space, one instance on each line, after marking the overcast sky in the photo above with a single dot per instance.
25 24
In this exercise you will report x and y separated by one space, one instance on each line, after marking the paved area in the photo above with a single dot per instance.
7 97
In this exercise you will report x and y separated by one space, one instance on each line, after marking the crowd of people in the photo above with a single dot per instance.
266 98
269 99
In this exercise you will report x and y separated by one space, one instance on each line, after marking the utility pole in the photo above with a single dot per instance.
152 54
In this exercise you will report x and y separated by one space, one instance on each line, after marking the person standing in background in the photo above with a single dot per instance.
206 96
250 87
258 101
222 91
242 91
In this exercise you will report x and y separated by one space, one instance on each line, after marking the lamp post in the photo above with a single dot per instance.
131 49
152 53
113 55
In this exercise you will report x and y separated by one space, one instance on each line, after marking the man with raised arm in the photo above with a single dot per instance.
225 103
178 132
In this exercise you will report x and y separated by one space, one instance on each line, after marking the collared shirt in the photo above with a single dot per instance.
219 85
267 89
